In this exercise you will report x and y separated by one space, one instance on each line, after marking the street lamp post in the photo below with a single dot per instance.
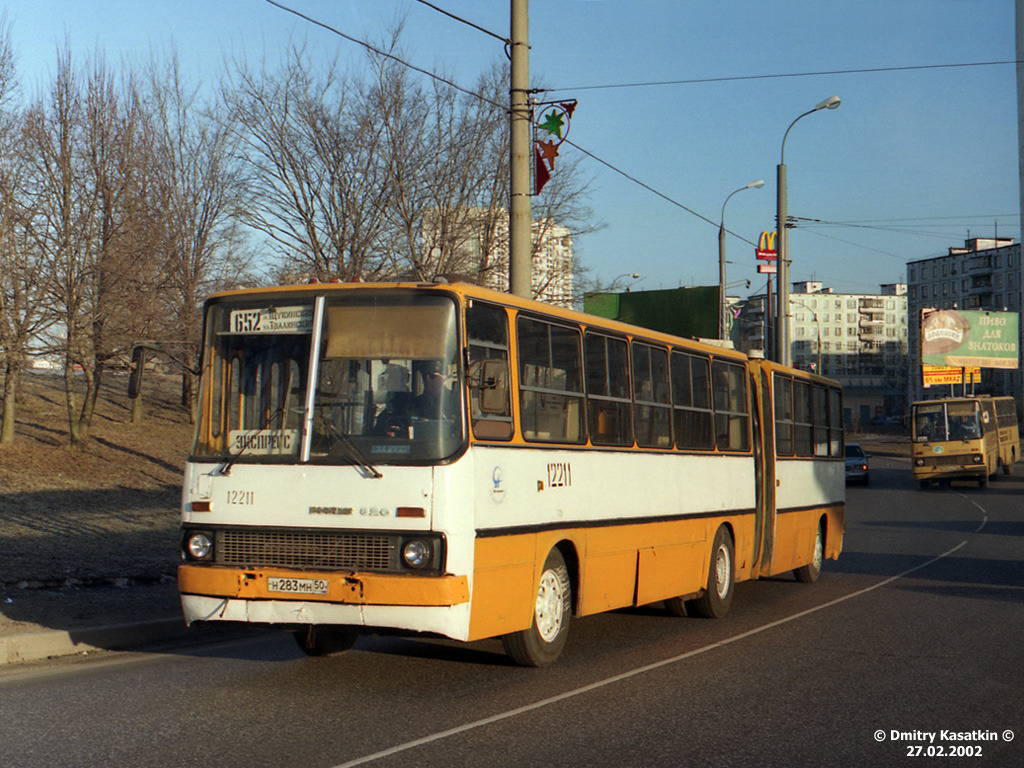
630 275
782 352
722 319
817 325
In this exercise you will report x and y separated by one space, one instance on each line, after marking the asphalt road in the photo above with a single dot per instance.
906 652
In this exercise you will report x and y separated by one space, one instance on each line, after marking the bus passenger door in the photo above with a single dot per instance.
764 457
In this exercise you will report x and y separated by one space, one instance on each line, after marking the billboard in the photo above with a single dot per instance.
966 339
935 375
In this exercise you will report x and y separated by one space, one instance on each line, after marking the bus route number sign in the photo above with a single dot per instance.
272 320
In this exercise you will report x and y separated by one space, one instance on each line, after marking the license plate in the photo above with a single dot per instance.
297 586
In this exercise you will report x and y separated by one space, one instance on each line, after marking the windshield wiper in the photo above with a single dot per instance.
225 467
351 448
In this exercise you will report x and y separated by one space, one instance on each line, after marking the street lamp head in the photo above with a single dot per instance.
830 103
756 184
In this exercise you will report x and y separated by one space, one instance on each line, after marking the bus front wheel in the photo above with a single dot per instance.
543 641
717 598
316 640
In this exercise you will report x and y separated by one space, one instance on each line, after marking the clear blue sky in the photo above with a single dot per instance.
912 162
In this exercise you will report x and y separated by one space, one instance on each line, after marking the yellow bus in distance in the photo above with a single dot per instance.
449 460
964 438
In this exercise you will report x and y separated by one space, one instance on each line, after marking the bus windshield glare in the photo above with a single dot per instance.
385 381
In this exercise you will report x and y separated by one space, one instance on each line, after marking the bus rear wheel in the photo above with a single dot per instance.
543 642
316 640
808 574
715 601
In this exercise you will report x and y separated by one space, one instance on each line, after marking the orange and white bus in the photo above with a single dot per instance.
450 460
964 438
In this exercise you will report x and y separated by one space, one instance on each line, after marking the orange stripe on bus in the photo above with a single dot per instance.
347 588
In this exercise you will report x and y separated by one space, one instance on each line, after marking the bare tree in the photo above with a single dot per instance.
450 171
445 151
205 195
61 212
97 220
22 289
313 168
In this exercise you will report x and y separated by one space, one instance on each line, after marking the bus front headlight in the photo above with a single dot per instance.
199 546
417 553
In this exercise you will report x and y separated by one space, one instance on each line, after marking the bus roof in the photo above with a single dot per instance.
471 291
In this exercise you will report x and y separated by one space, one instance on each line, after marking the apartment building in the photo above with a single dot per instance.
551 274
859 339
985 274
477 249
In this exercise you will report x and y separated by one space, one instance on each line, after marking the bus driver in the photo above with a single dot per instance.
403 409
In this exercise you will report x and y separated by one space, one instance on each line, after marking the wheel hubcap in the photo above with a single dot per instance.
550 606
723 571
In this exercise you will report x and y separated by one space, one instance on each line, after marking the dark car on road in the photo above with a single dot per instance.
856 464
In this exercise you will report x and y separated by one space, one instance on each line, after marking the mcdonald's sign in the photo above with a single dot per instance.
766 247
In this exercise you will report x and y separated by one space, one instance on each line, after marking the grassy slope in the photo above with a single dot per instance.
108 510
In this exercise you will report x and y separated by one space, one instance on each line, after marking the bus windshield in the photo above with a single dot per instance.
946 421
384 380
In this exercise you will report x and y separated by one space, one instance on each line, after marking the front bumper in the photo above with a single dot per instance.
347 588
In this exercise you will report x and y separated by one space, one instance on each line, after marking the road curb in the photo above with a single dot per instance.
59 642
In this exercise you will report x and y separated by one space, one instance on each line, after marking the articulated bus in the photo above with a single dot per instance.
964 438
449 460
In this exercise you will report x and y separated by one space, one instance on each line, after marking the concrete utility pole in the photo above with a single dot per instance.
1020 105
520 225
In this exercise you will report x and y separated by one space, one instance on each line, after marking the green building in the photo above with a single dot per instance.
686 312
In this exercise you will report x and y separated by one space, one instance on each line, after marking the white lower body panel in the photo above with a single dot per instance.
450 621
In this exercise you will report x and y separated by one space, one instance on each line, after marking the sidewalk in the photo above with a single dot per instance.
37 623
87 569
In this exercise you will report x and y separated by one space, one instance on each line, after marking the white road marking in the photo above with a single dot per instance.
399 748
984 514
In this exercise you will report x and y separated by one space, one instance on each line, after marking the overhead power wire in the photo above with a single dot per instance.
977 217
738 78
588 153
379 52
903 226
856 245
429 74
651 189
468 23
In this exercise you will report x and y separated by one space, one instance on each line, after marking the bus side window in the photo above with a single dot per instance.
783 390
835 423
488 372
691 400
802 418
607 375
732 419
550 382
651 393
